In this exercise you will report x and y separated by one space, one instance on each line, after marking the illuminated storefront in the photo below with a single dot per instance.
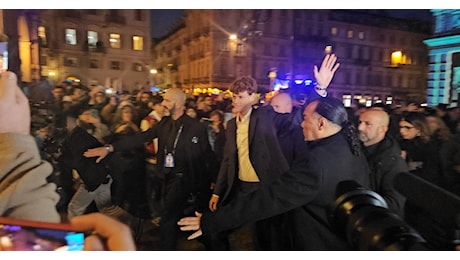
444 58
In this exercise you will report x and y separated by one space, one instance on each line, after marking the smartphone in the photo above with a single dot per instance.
3 56
26 235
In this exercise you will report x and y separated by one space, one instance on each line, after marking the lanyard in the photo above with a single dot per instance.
176 140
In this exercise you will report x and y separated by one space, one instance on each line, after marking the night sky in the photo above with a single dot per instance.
163 19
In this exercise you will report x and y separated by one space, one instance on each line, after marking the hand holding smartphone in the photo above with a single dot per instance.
26 235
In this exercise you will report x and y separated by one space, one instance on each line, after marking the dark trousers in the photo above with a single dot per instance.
174 202
260 232
156 189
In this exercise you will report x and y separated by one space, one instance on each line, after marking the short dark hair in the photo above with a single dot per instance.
442 107
219 113
156 100
244 83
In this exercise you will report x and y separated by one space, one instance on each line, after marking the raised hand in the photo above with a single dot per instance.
324 75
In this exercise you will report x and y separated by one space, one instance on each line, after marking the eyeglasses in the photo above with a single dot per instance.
406 127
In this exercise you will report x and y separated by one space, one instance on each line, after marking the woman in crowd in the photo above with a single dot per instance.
419 147
128 168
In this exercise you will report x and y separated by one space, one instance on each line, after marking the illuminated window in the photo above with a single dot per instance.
115 40
92 38
334 31
42 35
361 35
389 100
346 99
396 58
350 34
71 36
138 43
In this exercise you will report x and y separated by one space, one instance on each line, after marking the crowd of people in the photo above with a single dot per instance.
215 164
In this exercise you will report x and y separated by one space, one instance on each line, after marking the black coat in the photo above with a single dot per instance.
423 158
309 187
92 174
265 153
386 163
200 161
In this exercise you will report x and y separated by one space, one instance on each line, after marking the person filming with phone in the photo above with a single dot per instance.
25 192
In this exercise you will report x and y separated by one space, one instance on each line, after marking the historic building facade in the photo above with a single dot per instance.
18 29
106 47
382 59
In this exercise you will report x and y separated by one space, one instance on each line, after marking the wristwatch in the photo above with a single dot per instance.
107 147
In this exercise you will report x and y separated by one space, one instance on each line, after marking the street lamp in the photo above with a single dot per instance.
51 77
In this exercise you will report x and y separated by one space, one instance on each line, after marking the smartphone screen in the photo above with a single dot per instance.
24 235
3 56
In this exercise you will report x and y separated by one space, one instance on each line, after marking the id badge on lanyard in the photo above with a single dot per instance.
169 160
169 157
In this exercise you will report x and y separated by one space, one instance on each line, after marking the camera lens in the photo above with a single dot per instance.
362 217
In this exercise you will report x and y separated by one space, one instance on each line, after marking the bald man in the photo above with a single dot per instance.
384 156
186 162
282 103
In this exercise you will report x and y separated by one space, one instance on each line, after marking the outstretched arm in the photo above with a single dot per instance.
191 224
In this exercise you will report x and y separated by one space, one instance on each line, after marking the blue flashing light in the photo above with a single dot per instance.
298 81
308 82
303 82
154 89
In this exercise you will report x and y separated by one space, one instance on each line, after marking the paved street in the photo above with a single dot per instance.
148 239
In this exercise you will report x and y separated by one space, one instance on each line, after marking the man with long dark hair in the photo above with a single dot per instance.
308 187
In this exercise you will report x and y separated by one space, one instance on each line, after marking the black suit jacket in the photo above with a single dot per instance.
264 152
200 160
92 174
308 188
